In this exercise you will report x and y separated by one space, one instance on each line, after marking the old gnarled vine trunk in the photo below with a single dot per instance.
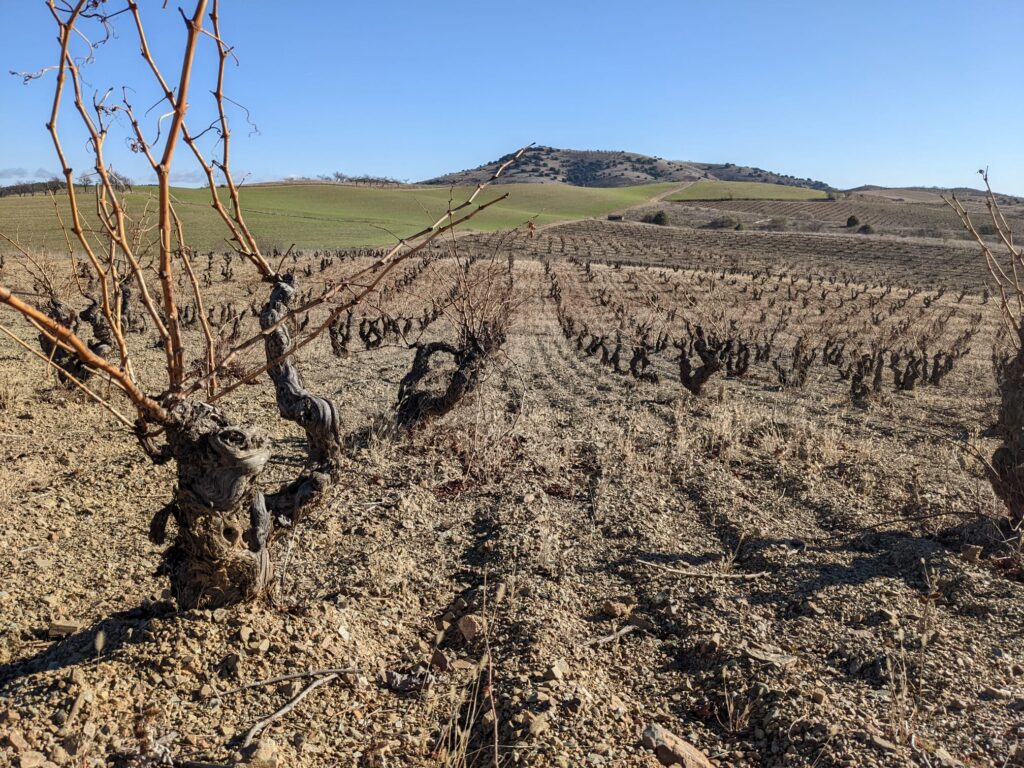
1008 460
220 552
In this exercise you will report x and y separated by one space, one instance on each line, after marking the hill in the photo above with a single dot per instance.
598 168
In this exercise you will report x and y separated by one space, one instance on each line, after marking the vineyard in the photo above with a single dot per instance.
718 485
477 474
884 217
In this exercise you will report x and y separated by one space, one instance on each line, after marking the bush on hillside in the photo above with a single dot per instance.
724 222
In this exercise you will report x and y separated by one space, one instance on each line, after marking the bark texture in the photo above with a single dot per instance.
1008 459
220 553
318 416
417 403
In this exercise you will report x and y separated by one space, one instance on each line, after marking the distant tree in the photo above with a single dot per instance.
119 181
852 222
867 229
658 217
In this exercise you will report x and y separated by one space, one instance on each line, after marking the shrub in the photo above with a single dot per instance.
658 217
724 222
852 222
867 229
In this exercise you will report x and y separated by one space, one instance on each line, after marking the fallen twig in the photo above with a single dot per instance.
291 676
704 574
261 724
612 637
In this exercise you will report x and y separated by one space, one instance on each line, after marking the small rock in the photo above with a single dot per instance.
32 759
265 754
811 608
439 661
971 553
63 627
946 760
556 671
672 750
879 743
17 740
539 725
818 696
998 694
614 609
958 705
472 626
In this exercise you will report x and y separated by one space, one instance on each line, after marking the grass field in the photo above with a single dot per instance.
707 189
335 216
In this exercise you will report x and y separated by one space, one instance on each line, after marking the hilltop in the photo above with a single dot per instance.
599 168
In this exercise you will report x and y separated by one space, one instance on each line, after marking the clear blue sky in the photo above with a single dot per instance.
883 92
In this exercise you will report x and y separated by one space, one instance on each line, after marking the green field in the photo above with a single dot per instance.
335 216
707 189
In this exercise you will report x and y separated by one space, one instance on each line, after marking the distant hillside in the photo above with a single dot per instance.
930 194
593 168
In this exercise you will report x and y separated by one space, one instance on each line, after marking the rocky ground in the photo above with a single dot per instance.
573 568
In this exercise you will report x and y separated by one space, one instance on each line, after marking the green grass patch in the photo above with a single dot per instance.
709 189
332 215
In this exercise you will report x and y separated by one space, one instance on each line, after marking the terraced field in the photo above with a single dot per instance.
713 189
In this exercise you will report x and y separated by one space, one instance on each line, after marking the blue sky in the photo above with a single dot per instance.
876 92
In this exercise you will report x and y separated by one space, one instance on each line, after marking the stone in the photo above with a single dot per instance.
539 725
33 759
556 671
971 553
880 743
63 627
946 760
958 705
818 696
998 694
265 754
472 626
811 608
673 750
439 661
614 609
17 740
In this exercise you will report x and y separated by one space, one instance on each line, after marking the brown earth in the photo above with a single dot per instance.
571 556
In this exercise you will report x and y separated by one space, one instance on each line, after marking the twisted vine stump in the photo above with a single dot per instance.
318 416
423 393
66 363
1007 471
220 553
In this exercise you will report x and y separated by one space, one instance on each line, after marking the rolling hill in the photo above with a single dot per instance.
335 215
593 168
